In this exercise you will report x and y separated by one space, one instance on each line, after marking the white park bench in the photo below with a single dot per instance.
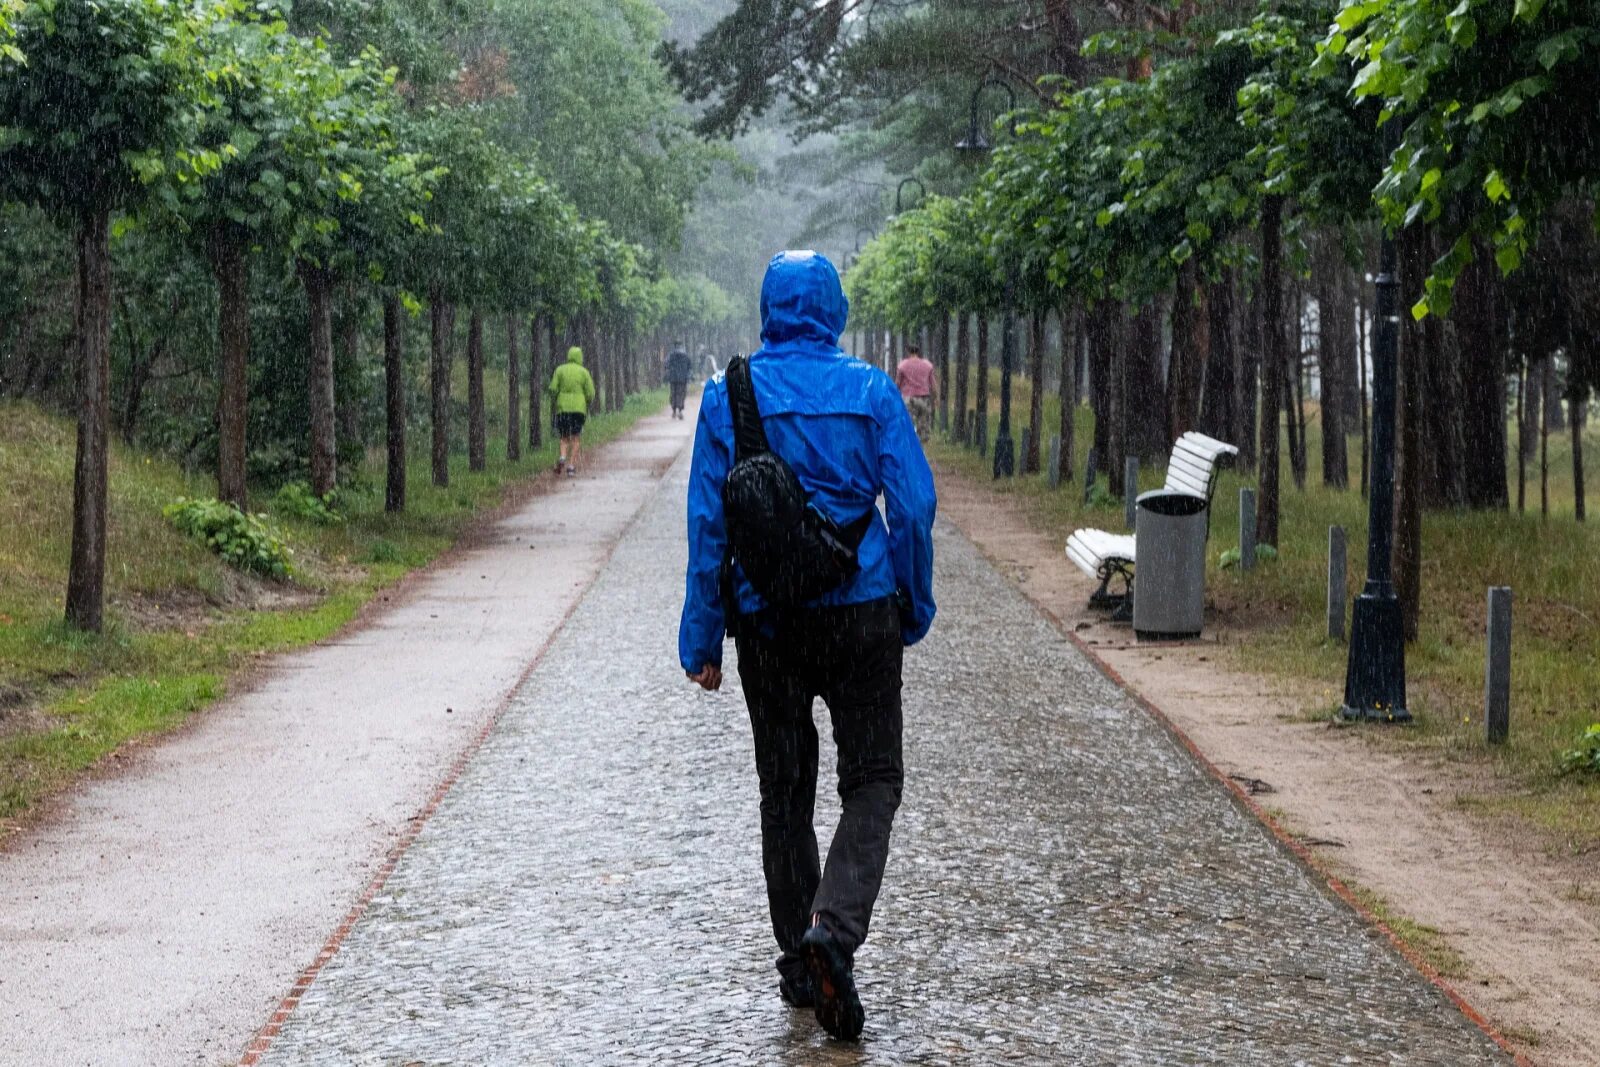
1193 469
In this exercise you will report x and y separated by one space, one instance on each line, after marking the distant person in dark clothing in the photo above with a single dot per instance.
843 429
678 377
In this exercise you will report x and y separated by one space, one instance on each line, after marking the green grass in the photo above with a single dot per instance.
1552 565
180 624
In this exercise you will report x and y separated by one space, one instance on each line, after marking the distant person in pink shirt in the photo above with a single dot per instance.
919 388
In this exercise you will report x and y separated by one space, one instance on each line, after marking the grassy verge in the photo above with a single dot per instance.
182 624
1552 565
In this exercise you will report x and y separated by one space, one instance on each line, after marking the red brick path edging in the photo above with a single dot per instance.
1284 838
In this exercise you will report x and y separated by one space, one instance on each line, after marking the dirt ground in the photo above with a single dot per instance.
1524 920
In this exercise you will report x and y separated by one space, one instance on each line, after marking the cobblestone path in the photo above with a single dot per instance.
1066 887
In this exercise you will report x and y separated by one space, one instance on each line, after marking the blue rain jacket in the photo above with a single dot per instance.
844 429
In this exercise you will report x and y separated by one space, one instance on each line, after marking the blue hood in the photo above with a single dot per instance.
802 301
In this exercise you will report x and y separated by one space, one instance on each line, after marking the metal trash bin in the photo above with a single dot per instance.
1169 589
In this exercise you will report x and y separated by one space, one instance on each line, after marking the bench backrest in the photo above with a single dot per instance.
1196 461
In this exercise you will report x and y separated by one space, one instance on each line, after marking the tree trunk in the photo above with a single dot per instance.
1030 458
1333 356
442 326
394 404
1481 333
540 330
318 282
1101 326
1522 438
981 399
348 355
963 371
1067 390
1191 350
477 426
1144 392
513 391
87 573
1114 459
230 264
1547 399
1270 316
1408 459
1576 419
943 341
1553 415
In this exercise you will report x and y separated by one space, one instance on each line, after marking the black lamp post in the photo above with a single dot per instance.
974 146
1375 678
871 233
922 191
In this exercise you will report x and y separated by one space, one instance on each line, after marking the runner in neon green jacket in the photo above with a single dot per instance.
573 390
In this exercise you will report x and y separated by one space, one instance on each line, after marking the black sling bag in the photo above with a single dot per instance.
790 551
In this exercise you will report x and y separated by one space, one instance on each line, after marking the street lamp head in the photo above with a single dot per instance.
974 145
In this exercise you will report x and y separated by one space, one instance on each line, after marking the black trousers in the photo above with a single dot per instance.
850 657
680 392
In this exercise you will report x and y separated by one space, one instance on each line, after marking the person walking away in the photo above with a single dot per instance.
573 389
789 553
678 365
919 388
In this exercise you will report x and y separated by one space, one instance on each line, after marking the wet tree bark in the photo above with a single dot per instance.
348 355
980 404
1575 420
477 429
1145 419
1269 303
963 370
943 341
318 283
442 326
1036 324
87 571
1117 448
1067 390
230 265
394 405
1294 391
1333 354
1522 437
513 391
538 334
1408 460
1191 349
1101 326
1482 335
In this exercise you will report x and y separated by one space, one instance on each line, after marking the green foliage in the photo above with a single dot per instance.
296 500
1586 756
243 541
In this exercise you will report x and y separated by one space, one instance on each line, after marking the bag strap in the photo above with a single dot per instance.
749 436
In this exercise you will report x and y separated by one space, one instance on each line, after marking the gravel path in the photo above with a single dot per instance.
1066 886
161 911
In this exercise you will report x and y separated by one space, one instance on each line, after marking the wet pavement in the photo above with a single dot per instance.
1065 886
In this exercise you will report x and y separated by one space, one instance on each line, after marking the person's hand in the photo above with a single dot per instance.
709 678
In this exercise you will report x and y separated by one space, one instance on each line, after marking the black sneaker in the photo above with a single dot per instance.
838 1007
796 992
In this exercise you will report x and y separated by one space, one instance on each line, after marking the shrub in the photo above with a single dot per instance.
1586 757
296 500
243 541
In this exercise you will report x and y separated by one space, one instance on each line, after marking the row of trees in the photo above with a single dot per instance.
1202 221
280 151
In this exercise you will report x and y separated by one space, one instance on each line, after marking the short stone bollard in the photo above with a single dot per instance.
1130 490
1497 668
1336 573
1055 461
983 433
1247 528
